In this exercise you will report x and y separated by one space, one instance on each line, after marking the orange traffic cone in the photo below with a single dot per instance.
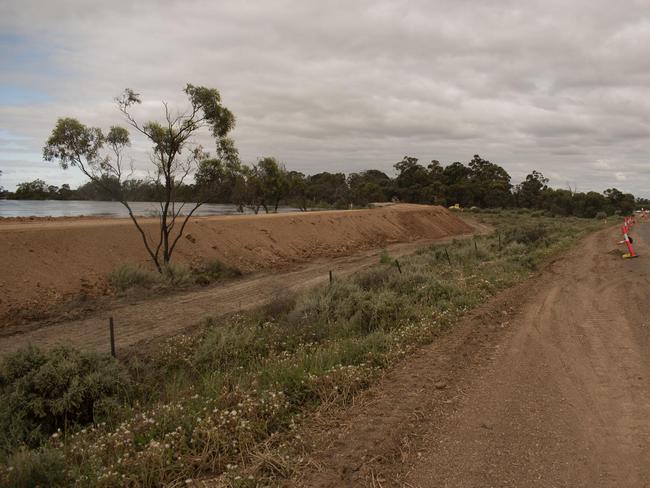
626 238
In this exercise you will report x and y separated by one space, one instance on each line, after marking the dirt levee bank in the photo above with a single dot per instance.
43 262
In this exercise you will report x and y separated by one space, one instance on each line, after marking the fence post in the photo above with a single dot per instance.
448 258
112 329
399 268
475 247
331 277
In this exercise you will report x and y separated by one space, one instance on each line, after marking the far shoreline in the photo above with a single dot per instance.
47 210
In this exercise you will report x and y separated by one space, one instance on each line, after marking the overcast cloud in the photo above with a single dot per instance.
557 86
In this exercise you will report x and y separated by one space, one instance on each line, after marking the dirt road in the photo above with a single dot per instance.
546 386
151 319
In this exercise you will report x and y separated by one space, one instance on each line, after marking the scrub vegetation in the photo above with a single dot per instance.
128 277
227 402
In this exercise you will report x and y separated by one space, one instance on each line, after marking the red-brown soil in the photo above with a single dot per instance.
45 262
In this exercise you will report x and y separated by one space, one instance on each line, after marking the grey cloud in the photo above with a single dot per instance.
343 86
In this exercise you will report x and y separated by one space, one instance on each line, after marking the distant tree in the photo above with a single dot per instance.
65 193
218 177
106 187
328 188
458 188
32 190
455 173
238 193
627 204
273 181
437 189
412 181
250 191
297 190
174 157
369 186
529 191
620 202
436 171
141 190
558 201
490 183
642 203
261 185
592 204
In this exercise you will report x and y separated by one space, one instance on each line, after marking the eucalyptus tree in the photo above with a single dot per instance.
175 156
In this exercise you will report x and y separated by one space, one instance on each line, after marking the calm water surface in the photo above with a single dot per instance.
73 208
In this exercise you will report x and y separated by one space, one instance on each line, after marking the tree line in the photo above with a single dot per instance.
184 176
267 184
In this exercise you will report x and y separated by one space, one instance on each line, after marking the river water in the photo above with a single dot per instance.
73 208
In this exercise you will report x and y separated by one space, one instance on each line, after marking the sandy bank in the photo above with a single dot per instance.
43 262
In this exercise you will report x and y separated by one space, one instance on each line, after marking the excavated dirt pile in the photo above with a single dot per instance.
45 261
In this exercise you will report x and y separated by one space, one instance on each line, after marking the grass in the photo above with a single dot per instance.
384 257
129 277
224 402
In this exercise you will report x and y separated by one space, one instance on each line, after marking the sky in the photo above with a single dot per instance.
562 87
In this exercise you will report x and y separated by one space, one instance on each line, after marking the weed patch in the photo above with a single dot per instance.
130 277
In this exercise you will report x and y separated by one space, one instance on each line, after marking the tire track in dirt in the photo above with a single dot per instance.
547 385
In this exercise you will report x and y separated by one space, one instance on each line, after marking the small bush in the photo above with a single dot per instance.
601 216
230 347
379 311
281 304
374 278
43 467
127 276
213 271
516 249
41 392
384 257
527 234
176 276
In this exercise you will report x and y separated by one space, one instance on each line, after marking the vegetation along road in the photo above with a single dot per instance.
149 320
548 385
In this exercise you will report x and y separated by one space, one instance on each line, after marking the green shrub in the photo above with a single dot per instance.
127 276
383 311
173 276
176 276
230 347
41 392
281 304
527 234
384 257
515 248
213 271
44 467
601 216
374 278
